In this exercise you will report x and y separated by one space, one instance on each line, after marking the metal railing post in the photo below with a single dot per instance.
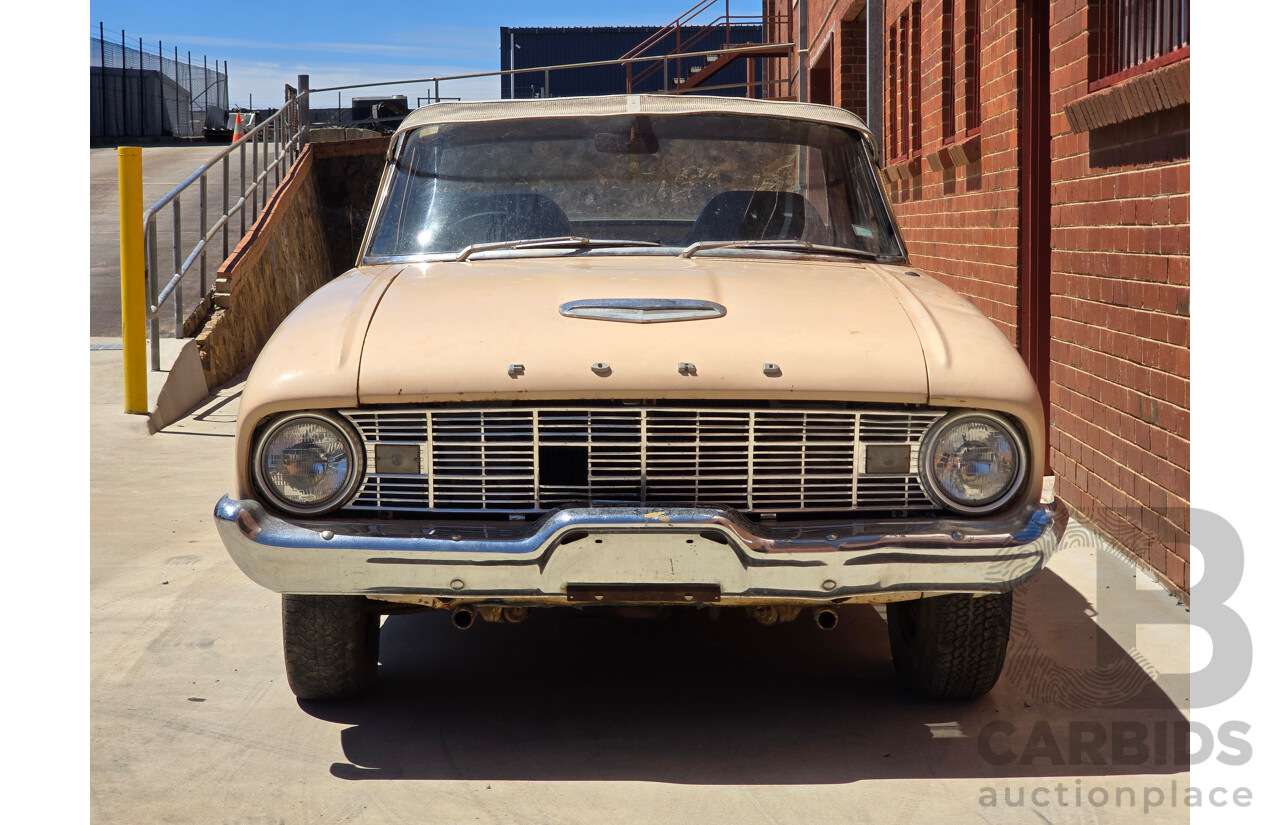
142 89
177 101
102 80
160 84
133 285
177 265
204 230
191 97
242 188
153 291
275 136
226 203
124 97
256 141
304 109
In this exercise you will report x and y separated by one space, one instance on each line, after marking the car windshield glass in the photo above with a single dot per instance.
673 181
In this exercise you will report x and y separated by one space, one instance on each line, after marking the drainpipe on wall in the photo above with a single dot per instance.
875 67
802 49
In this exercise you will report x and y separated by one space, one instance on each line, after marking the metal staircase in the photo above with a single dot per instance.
692 32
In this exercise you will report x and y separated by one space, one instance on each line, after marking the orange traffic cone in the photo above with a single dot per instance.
239 130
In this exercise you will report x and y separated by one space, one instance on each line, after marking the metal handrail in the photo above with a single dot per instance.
681 27
687 40
737 50
287 121
674 25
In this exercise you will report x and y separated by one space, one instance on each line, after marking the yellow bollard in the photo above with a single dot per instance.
133 288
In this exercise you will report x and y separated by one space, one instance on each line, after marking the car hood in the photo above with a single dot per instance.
494 329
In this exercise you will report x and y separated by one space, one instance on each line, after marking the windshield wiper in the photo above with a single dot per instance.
784 246
565 242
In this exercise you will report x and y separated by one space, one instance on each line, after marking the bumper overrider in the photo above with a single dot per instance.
632 554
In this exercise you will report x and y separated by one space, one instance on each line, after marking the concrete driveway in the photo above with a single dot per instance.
582 718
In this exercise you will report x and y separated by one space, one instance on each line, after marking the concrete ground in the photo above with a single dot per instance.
582 718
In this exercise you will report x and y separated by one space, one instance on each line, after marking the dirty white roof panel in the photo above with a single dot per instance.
608 105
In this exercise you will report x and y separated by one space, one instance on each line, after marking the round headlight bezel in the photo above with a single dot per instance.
355 449
935 489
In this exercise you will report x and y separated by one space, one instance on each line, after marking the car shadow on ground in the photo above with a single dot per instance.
573 696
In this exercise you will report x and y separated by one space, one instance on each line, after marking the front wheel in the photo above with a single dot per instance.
950 647
330 646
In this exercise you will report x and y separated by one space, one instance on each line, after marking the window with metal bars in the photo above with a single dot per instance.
891 140
904 100
972 50
915 78
948 73
904 131
1129 36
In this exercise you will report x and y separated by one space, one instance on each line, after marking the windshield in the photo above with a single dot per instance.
670 181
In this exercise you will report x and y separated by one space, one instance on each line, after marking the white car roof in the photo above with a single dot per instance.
606 105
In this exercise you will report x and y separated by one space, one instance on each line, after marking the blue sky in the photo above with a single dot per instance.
269 43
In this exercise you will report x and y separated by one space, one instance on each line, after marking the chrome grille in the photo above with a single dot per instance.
534 459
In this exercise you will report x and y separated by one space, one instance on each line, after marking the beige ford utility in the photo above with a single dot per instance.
641 351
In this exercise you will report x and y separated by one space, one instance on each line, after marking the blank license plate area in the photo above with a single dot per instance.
661 593
646 560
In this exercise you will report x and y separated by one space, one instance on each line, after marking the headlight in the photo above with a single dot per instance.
307 463
973 462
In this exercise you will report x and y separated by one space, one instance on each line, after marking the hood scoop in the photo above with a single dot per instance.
642 310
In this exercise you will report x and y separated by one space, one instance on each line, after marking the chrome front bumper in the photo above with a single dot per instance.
626 551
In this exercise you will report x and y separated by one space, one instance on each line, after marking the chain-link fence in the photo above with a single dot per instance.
136 90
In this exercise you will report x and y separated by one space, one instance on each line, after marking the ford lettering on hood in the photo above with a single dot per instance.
449 332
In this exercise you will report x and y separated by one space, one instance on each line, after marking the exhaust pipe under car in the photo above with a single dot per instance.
826 618
463 617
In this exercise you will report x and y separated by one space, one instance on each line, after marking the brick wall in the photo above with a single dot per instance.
1120 238
851 91
1119 258
957 197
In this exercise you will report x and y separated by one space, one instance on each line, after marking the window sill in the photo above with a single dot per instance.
957 153
903 168
1151 65
1152 90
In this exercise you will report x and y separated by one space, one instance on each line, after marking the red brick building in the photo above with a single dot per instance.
1038 155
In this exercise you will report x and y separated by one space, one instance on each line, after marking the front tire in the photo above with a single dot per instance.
950 647
330 646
